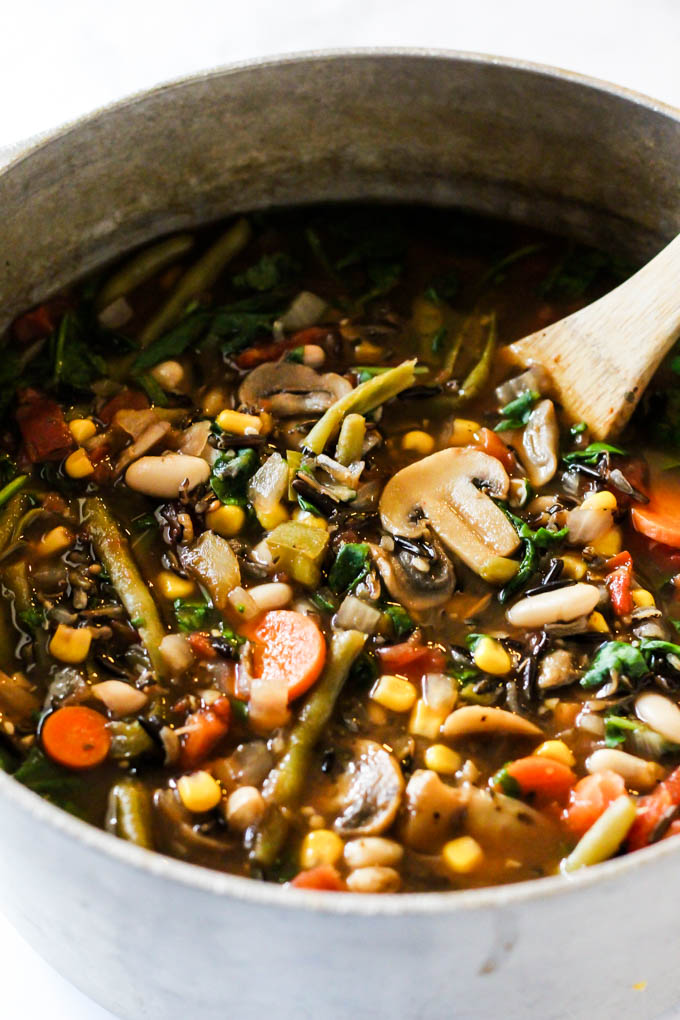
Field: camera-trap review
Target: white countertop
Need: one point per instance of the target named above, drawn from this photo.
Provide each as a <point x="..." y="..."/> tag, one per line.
<point x="60" y="60"/>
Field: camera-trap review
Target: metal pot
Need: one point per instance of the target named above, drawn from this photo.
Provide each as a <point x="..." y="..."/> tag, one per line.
<point x="151" y="937"/>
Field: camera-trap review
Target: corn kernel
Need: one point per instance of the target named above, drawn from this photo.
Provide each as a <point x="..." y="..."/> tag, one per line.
<point x="71" y="644"/>
<point x="600" y="501"/>
<point x="270" y="519"/>
<point x="321" y="847"/>
<point x="226" y="521"/>
<point x="241" y="424"/>
<point x="418" y="442"/>
<point x="199" y="792"/>
<point x="490" y="656"/>
<point x="597" y="622"/>
<point x="310" y="519"/>
<point x="394" y="693"/>
<point x="499" y="570"/>
<point x="82" y="429"/>
<point x="573" y="566"/>
<point x="55" y="541"/>
<point x="463" y="432"/>
<point x="642" y="598"/>
<point x="609" y="544"/>
<point x="426" y="721"/>
<point x="174" y="587"/>
<point x="367" y="352"/>
<point x="442" y="759"/>
<point x="462" y="855"/>
<point x="78" y="464"/>
<point x="556" y="750"/>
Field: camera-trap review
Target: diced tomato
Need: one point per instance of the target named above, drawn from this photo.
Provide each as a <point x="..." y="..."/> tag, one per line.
<point x="43" y="427"/>
<point x="619" y="583"/>
<point x="590" y="798"/>
<point x="39" y="322"/>
<point x="204" y="729"/>
<point x="324" y="877"/>
<point x="133" y="400"/>
<point x="201" y="645"/>
<point x="409" y="655"/>
<point x="490" y="442"/>
<point x="651" y="810"/>
<point x="254" y="356"/>
<point x="622" y="559"/>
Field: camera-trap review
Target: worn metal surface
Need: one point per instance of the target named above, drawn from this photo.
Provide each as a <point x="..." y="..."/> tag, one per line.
<point x="150" y="937"/>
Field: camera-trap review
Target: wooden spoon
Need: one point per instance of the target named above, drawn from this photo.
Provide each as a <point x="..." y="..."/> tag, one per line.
<point x="601" y="358"/>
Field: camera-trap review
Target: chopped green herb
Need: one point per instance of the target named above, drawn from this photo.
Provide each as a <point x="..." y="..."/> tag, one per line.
<point x="234" y="640"/>
<point x="579" y="269"/>
<point x="351" y="565"/>
<point x="324" y="601"/>
<point x="270" y="272"/>
<point x="578" y="429"/>
<point x="592" y="453"/>
<point x="191" y="616"/>
<point x="75" y="362"/>
<point x="506" y="783"/>
<point x="516" y="413"/>
<point x="442" y="287"/>
<point x="297" y="355"/>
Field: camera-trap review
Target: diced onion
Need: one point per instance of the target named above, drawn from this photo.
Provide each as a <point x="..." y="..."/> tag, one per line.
<point x="354" y="614"/>
<point x="306" y="309"/>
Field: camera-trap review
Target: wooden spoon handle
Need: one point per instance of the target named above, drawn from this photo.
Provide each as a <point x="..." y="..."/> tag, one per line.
<point x="601" y="358"/>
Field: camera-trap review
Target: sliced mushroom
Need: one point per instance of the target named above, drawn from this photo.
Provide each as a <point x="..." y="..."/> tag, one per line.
<point x="176" y="830"/>
<point x="444" y="492"/>
<point x="511" y="828"/>
<point x="477" y="719"/>
<point x="556" y="669"/>
<point x="431" y="809"/>
<point x="538" y="444"/>
<point x="415" y="581"/>
<point x="286" y="389"/>
<point x="369" y="790"/>
<point x="19" y="702"/>
<point x="150" y="438"/>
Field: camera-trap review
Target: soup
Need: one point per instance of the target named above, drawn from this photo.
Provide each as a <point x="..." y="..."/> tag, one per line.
<point x="304" y="581"/>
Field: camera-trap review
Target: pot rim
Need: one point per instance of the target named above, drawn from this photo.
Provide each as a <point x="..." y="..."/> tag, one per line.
<point x="267" y="894"/>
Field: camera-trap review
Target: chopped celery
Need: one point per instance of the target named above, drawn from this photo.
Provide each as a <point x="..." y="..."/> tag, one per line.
<point x="299" y="549"/>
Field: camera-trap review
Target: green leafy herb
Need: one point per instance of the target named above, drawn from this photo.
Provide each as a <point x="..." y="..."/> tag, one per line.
<point x="191" y="616"/>
<point x="324" y="601"/>
<point x="234" y="640"/>
<point x="351" y="565"/>
<point x="516" y="413"/>
<point x="75" y="362"/>
<point x="506" y="783"/>
<point x="239" y="710"/>
<point x="533" y="541"/>
<point x="153" y="389"/>
<point x="592" y="453"/>
<point x="48" y="779"/>
<point x="269" y="272"/>
<point x="402" y="624"/>
<point x="579" y="269"/>
<point x="617" y="728"/>
<point x="578" y="429"/>
<point x="615" y="656"/>
<point x="230" y="474"/>
<point x="33" y="619"/>
<point x="297" y="355"/>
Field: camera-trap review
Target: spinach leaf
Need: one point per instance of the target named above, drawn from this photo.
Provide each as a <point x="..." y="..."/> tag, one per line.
<point x="230" y="474"/>
<point x="191" y="616"/>
<point x="351" y="564"/>
<point x="533" y="541"/>
<point x="232" y="639"/>
<point x="76" y="363"/>
<point x="153" y="389"/>
<point x="516" y="413"/>
<point x="592" y="453"/>
<point x="402" y="623"/>
<point x="617" y="728"/>
<point x="579" y="269"/>
<point x="618" y="656"/>
<point x="48" y="779"/>
<point x="364" y="671"/>
<point x="269" y="272"/>
<point x="185" y="334"/>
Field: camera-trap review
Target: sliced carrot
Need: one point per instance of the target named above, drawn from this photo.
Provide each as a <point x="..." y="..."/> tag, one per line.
<point x="490" y="442"/>
<point x="324" y="877"/>
<point x="542" y="776"/>
<point x="651" y="810"/>
<point x="203" y="730"/>
<point x="290" y="648"/>
<point x="76" y="737"/>
<point x="660" y="518"/>
<point x="590" y="798"/>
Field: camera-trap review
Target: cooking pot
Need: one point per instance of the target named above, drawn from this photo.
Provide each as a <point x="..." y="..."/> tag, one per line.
<point x="151" y="937"/>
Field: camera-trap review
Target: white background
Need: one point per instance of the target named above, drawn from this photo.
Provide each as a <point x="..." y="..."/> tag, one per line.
<point x="62" y="58"/>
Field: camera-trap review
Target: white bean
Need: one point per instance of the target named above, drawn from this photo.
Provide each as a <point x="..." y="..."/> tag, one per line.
<point x="245" y="807"/>
<point x="373" y="880"/>
<point x="176" y="653"/>
<point x="372" y="851"/>
<point x="169" y="375"/>
<point x="659" y="713"/>
<point x="275" y="595"/>
<point x="119" y="697"/>
<point x="165" y="476"/>
<point x="559" y="606"/>
<point x="313" y="355"/>
<point x="637" y="773"/>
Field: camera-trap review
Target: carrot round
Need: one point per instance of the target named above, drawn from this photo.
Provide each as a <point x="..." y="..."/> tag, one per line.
<point x="289" y="648"/>
<point x="660" y="518"/>
<point x="76" y="737"/>
<point x="542" y="776"/>
<point x="324" y="877"/>
<point x="590" y="798"/>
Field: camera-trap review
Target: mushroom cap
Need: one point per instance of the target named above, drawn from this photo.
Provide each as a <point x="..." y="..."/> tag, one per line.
<point x="368" y="791"/>
<point x="286" y="388"/>
<point x="443" y="492"/>
<point x="415" y="589"/>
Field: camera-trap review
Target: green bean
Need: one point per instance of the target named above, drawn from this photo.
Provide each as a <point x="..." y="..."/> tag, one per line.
<point x="14" y="510"/>
<point x="604" y="837"/>
<point x="200" y="277"/>
<point x="14" y="578"/>
<point x="476" y="379"/>
<point x="351" y="439"/>
<point x="364" y="398"/>
<point x="128" y="813"/>
<point x="11" y="489"/>
<point x="113" y="550"/>
<point x="129" y="740"/>
<point x="287" y="779"/>
<point x="142" y="266"/>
